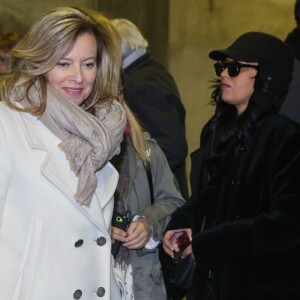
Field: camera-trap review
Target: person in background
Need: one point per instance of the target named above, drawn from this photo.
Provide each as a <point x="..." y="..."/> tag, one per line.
<point x="8" y="40"/>
<point x="152" y="95"/>
<point x="60" y="124"/>
<point x="244" y="218"/>
<point x="291" y="105"/>
<point x="138" y="256"/>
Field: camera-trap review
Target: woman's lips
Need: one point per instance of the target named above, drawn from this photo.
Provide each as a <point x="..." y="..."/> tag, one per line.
<point x="224" y="86"/>
<point x="73" y="91"/>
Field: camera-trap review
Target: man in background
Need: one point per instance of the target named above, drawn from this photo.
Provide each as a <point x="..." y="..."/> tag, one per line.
<point x="291" y="106"/>
<point x="152" y="94"/>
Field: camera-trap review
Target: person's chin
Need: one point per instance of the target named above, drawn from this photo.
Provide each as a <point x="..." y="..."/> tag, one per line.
<point x="226" y="100"/>
<point x="75" y="100"/>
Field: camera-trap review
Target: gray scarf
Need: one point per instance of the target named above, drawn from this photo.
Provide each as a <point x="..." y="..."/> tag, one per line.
<point x="88" y="141"/>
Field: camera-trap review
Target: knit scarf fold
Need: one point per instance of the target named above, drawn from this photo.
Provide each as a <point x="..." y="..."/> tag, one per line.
<point x="88" y="141"/>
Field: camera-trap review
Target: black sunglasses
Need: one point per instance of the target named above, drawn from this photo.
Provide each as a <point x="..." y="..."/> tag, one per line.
<point x="233" y="67"/>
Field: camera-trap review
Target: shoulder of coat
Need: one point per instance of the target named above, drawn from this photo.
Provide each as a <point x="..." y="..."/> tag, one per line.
<point x="151" y="143"/>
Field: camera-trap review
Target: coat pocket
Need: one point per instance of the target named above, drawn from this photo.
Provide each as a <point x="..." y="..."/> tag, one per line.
<point x="156" y="274"/>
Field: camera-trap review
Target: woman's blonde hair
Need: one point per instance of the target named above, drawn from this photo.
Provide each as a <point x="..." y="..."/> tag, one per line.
<point x="137" y="134"/>
<point x="51" y="38"/>
<point x="136" y="131"/>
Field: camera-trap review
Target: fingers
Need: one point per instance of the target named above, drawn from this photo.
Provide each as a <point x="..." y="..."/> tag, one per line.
<point x="168" y="250"/>
<point x="167" y="244"/>
<point x="118" y="234"/>
<point x="187" y="251"/>
<point x="189" y="233"/>
<point x="170" y="240"/>
<point x="138" y="234"/>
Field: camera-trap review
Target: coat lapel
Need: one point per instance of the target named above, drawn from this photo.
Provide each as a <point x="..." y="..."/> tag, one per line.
<point x="55" y="168"/>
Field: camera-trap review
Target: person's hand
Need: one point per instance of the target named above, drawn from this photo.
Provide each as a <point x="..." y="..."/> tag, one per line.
<point x="138" y="234"/>
<point x="187" y="251"/>
<point x="118" y="234"/>
<point x="170" y="241"/>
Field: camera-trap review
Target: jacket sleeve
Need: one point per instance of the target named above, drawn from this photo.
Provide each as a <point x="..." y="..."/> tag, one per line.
<point x="183" y="216"/>
<point x="166" y="196"/>
<point x="275" y="230"/>
<point x="5" y="169"/>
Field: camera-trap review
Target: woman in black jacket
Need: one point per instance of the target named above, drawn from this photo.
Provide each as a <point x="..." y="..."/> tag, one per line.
<point x="245" y="179"/>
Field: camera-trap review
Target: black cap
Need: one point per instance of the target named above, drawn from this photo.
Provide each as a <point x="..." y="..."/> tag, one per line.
<point x="275" y="58"/>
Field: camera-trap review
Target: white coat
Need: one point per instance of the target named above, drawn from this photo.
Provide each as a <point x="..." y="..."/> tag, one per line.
<point x="51" y="247"/>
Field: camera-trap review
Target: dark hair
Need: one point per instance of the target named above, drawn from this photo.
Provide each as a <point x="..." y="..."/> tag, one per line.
<point x="230" y="127"/>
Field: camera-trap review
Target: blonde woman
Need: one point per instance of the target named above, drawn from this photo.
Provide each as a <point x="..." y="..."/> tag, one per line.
<point x="59" y="126"/>
<point x="138" y="256"/>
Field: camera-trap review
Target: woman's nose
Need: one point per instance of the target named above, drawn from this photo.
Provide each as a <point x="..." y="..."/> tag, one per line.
<point x="77" y="74"/>
<point x="224" y="73"/>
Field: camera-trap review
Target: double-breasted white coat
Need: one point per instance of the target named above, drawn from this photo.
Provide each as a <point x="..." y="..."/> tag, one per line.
<point x="51" y="247"/>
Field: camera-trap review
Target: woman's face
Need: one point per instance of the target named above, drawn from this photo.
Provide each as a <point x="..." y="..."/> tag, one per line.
<point x="74" y="75"/>
<point x="238" y="90"/>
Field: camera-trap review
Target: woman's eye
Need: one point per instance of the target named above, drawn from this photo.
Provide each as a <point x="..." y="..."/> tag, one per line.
<point x="63" y="64"/>
<point x="89" y="65"/>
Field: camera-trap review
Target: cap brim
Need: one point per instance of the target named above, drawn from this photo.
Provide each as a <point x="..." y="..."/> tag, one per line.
<point x="232" y="53"/>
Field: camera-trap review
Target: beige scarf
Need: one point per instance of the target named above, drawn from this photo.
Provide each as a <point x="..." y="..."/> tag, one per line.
<point x="88" y="141"/>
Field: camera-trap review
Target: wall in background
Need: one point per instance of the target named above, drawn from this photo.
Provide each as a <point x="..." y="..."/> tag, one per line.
<point x="18" y="15"/>
<point x="180" y="33"/>
<point x="152" y="17"/>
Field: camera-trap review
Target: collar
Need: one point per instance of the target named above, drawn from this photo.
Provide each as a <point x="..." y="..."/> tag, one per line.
<point x="133" y="56"/>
